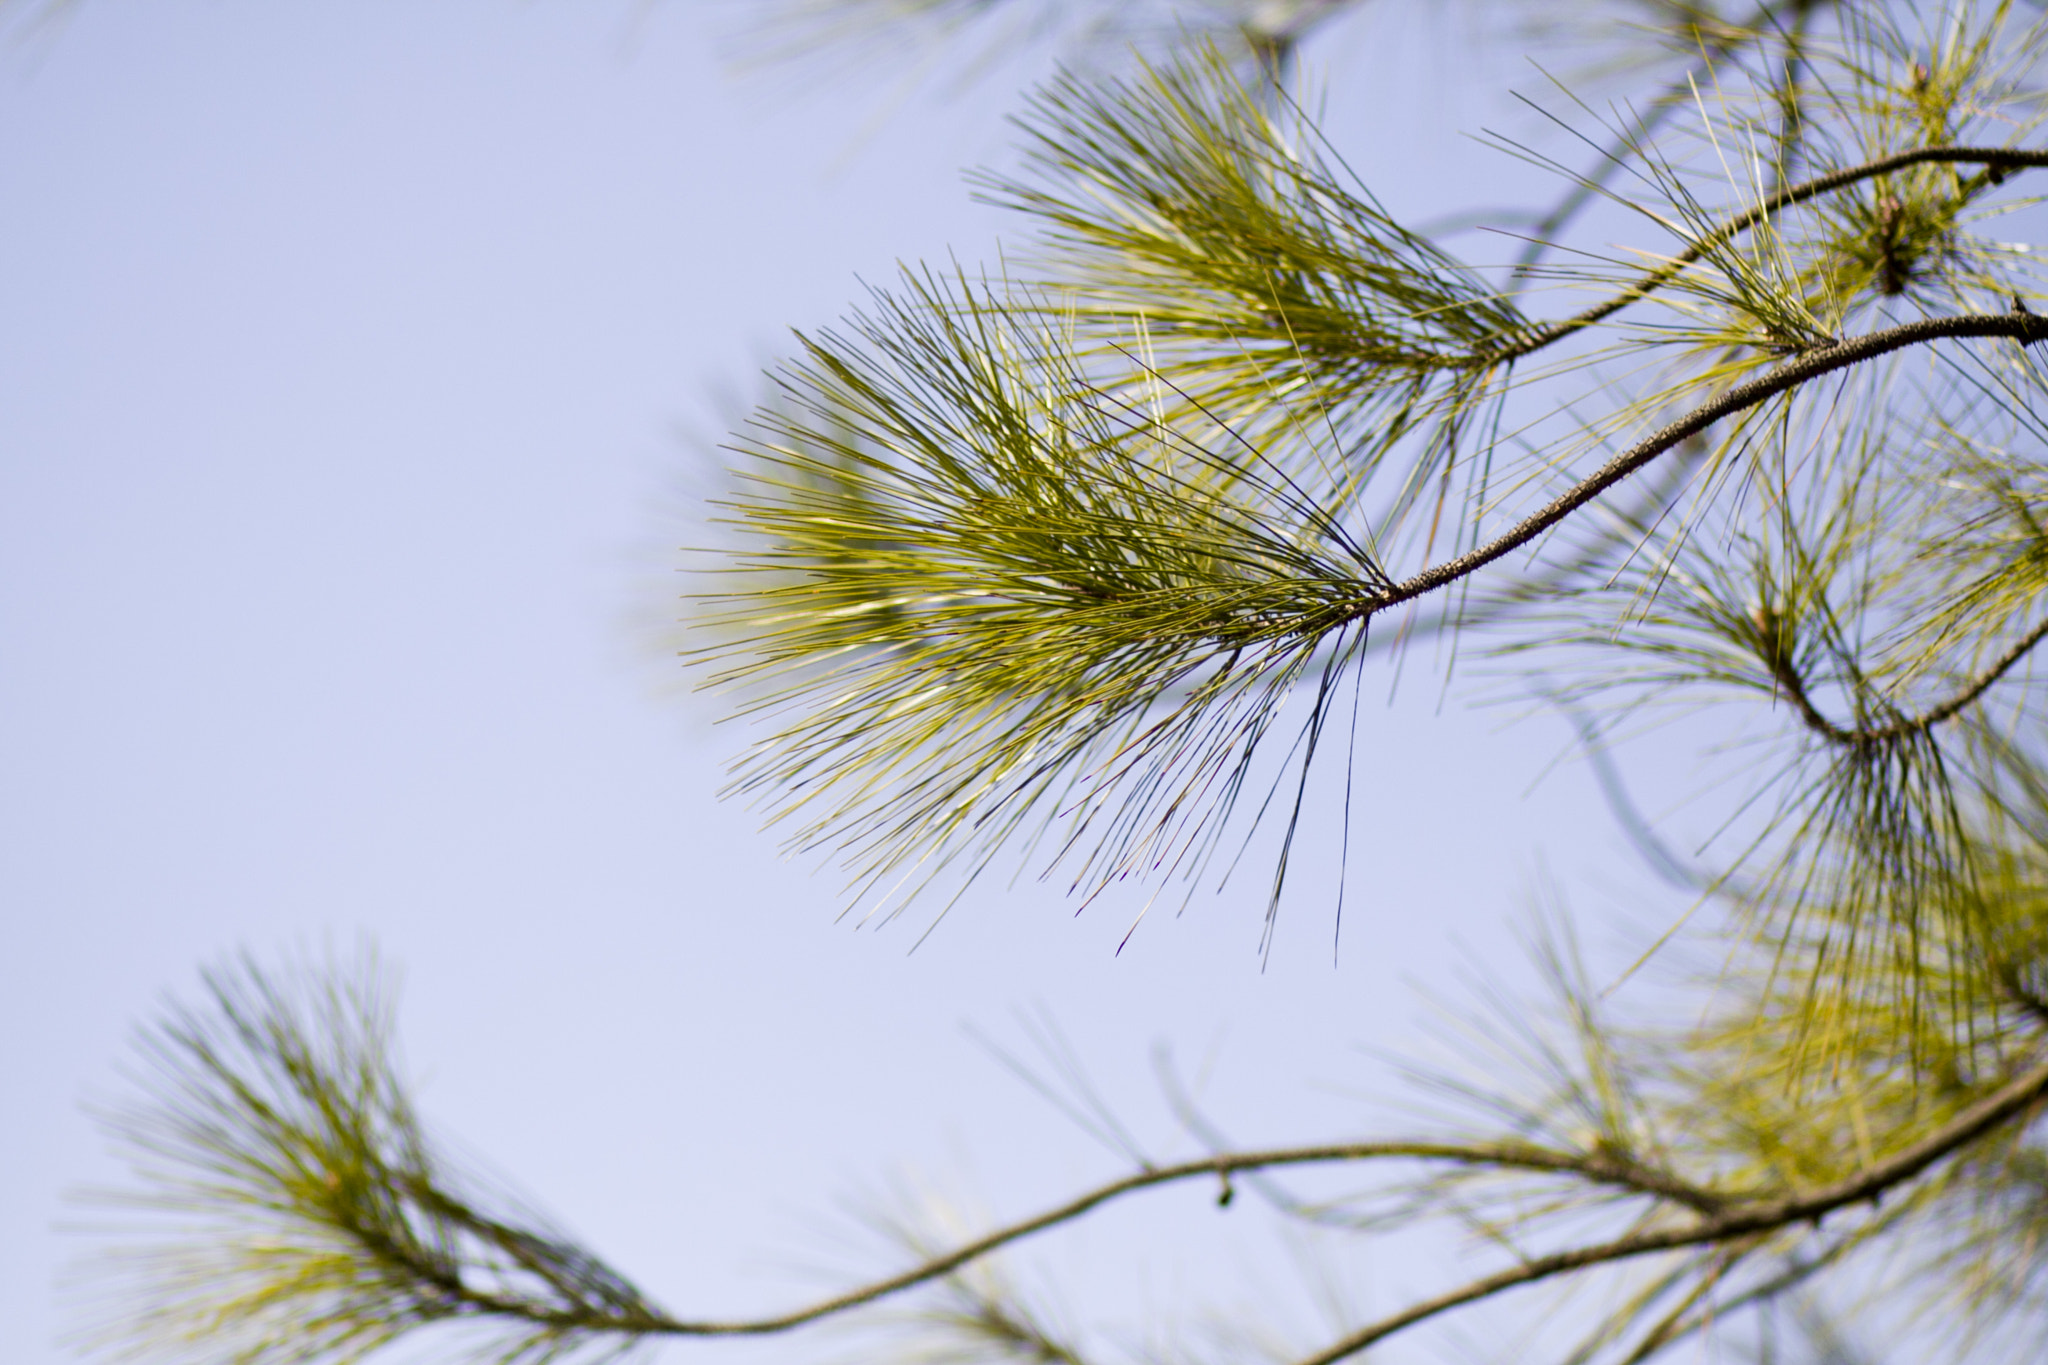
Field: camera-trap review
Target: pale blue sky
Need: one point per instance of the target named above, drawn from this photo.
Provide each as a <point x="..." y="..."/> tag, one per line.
<point x="354" y="360"/>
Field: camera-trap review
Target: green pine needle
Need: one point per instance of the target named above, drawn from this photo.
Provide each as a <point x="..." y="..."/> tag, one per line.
<point x="986" y="590"/>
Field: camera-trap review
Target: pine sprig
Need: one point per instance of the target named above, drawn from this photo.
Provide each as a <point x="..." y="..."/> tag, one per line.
<point x="297" y="1211"/>
<point x="1272" y="289"/>
<point x="986" y="589"/>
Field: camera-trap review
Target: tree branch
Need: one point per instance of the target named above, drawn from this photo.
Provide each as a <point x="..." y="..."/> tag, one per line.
<point x="1788" y="680"/>
<point x="1740" y="1220"/>
<point x="582" y="1315"/>
<point x="2025" y="328"/>
<point x="2000" y="159"/>
<point x="1618" y="1171"/>
<point x="1718" y="1218"/>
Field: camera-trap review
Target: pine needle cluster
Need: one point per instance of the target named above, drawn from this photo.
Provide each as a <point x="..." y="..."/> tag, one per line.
<point x="995" y="588"/>
<point x="300" y="1211"/>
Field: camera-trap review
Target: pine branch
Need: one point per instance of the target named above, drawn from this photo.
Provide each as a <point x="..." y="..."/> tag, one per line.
<point x="2007" y="1103"/>
<point x="2001" y="162"/>
<point x="273" y="1117"/>
<point x="988" y="571"/>
<point x="990" y="574"/>
<point x="1617" y="1172"/>
<point x="1722" y="1221"/>
<point x="1788" y="678"/>
<point x="2023" y="327"/>
<point x="314" y="1219"/>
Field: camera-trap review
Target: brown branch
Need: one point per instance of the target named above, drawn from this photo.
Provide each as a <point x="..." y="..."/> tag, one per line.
<point x="2026" y="328"/>
<point x="1610" y="1169"/>
<point x="1794" y="688"/>
<point x="1738" y="1220"/>
<point x="2002" y="160"/>
<point x="1602" y="1168"/>
<point x="598" y="1305"/>
<point x="1718" y="1218"/>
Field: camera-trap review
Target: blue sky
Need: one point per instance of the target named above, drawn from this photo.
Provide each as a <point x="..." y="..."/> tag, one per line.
<point x="359" y="365"/>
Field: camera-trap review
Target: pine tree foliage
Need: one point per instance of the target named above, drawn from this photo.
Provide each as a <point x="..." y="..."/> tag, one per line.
<point x="317" y="1222"/>
<point x="1097" y="593"/>
<point x="1074" y="562"/>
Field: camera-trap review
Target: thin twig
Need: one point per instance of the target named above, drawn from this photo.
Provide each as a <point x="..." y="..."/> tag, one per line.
<point x="1794" y="688"/>
<point x="2001" y="158"/>
<point x="2002" y="1105"/>
<point x="1609" y="1169"/>
<point x="1718" y="1218"/>
<point x="1606" y="1169"/>
<point x="2026" y="328"/>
